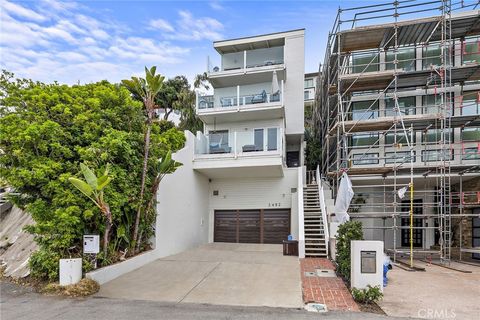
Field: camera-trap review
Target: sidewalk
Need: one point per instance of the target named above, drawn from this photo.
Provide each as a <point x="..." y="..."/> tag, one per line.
<point x="330" y="291"/>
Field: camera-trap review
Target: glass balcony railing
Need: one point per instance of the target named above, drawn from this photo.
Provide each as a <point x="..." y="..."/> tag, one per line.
<point x="245" y="96"/>
<point x="240" y="143"/>
<point x="248" y="59"/>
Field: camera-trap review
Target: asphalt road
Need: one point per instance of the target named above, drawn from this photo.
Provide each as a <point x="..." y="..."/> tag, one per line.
<point x="21" y="303"/>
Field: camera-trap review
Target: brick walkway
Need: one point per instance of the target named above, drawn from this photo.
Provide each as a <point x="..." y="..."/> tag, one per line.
<point x="326" y="290"/>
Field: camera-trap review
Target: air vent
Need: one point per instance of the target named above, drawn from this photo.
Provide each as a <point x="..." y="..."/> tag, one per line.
<point x="215" y="192"/>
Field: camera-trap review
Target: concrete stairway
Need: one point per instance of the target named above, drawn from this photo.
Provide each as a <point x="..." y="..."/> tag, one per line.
<point x="313" y="223"/>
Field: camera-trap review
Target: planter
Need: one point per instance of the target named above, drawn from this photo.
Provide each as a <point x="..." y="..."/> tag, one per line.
<point x="70" y="271"/>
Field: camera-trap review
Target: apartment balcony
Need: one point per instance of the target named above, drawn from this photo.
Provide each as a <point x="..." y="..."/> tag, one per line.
<point x="240" y="103"/>
<point x="247" y="66"/>
<point x="253" y="153"/>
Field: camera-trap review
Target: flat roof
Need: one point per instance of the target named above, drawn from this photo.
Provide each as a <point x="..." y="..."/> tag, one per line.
<point x="255" y="42"/>
<point x="409" y="31"/>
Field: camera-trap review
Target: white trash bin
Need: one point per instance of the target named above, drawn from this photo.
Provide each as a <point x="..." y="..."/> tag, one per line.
<point x="70" y="271"/>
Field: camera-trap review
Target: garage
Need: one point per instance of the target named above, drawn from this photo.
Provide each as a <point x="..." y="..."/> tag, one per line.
<point x="252" y="226"/>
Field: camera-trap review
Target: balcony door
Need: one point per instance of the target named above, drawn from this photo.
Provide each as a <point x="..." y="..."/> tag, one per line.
<point x="417" y="223"/>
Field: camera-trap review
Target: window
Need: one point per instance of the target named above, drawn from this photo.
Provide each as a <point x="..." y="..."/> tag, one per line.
<point x="435" y="135"/>
<point x="258" y="139"/>
<point x="364" y="139"/>
<point x="399" y="157"/>
<point x="470" y="104"/>
<point x="308" y="83"/>
<point x="405" y="59"/>
<point x="471" y="134"/>
<point x="366" y="158"/>
<point x="218" y="141"/>
<point x="272" y="140"/>
<point x="406" y="105"/>
<point x="432" y="104"/>
<point x="432" y="56"/>
<point x="436" y="155"/>
<point x="471" y="154"/>
<point x="364" y="62"/>
<point x="364" y="110"/>
<point x="306" y="95"/>
<point x="401" y="139"/>
<point x="471" y="51"/>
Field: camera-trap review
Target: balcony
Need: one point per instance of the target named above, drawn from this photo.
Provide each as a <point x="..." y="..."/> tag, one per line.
<point x="251" y="65"/>
<point x="249" y="102"/>
<point x="251" y="153"/>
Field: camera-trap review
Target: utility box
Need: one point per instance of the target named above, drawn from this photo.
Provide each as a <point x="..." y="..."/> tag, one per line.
<point x="91" y="244"/>
<point x="70" y="271"/>
<point x="366" y="264"/>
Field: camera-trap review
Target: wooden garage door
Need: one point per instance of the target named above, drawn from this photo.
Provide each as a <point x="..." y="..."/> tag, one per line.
<point x="252" y="226"/>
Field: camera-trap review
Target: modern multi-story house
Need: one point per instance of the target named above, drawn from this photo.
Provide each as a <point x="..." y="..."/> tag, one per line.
<point x="400" y="104"/>
<point x="242" y="177"/>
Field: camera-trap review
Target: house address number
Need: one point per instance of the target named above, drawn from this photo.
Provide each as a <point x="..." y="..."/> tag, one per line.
<point x="274" y="204"/>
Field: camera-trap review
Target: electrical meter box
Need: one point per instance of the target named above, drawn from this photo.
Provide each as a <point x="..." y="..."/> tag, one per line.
<point x="91" y="243"/>
<point x="367" y="264"/>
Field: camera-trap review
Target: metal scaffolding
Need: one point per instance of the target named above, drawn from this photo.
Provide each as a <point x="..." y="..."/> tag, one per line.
<point x="365" y="56"/>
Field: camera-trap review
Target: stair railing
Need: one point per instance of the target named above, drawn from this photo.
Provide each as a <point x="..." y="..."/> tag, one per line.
<point x="323" y="209"/>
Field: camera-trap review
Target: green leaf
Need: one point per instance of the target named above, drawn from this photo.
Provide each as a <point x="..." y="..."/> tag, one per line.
<point x="90" y="177"/>
<point x="104" y="184"/>
<point x="82" y="186"/>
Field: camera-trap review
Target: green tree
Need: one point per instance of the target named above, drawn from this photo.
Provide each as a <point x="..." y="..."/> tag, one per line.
<point x="145" y="90"/>
<point x="46" y="131"/>
<point x="92" y="188"/>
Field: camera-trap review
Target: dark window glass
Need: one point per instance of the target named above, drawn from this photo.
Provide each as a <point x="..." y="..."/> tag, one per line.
<point x="364" y="62"/>
<point x="406" y="105"/>
<point x="272" y="139"/>
<point x="405" y="59"/>
<point x="258" y="139"/>
<point x="364" y="110"/>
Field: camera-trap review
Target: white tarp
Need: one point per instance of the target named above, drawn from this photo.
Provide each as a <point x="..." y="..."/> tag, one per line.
<point x="275" y="87"/>
<point x="344" y="197"/>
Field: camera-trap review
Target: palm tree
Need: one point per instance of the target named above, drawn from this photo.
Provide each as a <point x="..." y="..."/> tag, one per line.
<point x="145" y="90"/>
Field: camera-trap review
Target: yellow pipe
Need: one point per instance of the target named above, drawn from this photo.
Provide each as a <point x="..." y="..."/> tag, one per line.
<point x="411" y="225"/>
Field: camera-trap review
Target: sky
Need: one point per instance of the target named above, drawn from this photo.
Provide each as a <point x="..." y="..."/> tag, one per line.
<point x="87" y="41"/>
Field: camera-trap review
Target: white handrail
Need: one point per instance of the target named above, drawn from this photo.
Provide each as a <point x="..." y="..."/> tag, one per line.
<point x="323" y="208"/>
<point x="301" y="221"/>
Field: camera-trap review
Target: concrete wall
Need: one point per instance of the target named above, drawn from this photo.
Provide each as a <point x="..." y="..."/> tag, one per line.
<point x="253" y="193"/>
<point x="182" y="221"/>
<point x="294" y="85"/>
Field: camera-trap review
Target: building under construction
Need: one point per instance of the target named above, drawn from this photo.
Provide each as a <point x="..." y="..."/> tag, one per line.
<point x="398" y="110"/>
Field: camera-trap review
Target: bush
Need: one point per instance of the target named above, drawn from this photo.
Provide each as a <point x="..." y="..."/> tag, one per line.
<point x="44" y="265"/>
<point x="367" y="295"/>
<point x="348" y="231"/>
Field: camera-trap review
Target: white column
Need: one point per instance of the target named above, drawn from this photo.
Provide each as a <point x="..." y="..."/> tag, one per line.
<point x="244" y="60"/>
<point x="235" y="144"/>
<point x="196" y="100"/>
<point x="282" y="93"/>
<point x="238" y="96"/>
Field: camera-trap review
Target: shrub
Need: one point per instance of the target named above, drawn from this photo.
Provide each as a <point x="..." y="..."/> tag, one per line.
<point x="348" y="231"/>
<point x="368" y="295"/>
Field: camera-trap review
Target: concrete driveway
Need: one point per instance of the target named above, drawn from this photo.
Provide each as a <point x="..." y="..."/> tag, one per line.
<point x="216" y="273"/>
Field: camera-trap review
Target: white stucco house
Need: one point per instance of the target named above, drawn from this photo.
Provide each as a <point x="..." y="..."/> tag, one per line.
<point x="241" y="177"/>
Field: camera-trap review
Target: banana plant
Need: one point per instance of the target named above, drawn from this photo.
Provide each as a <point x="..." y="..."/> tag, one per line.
<point x="164" y="166"/>
<point x="93" y="187"/>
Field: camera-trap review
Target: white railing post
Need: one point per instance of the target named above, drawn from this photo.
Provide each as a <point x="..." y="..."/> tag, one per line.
<point x="244" y="60"/>
<point x="301" y="219"/>
<point x="238" y="96"/>
<point x="235" y="144"/>
<point x="196" y="100"/>
<point x="281" y="93"/>
<point x="323" y="209"/>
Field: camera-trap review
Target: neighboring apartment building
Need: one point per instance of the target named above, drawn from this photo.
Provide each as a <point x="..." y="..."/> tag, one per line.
<point x="400" y="102"/>
<point x="241" y="177"/>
